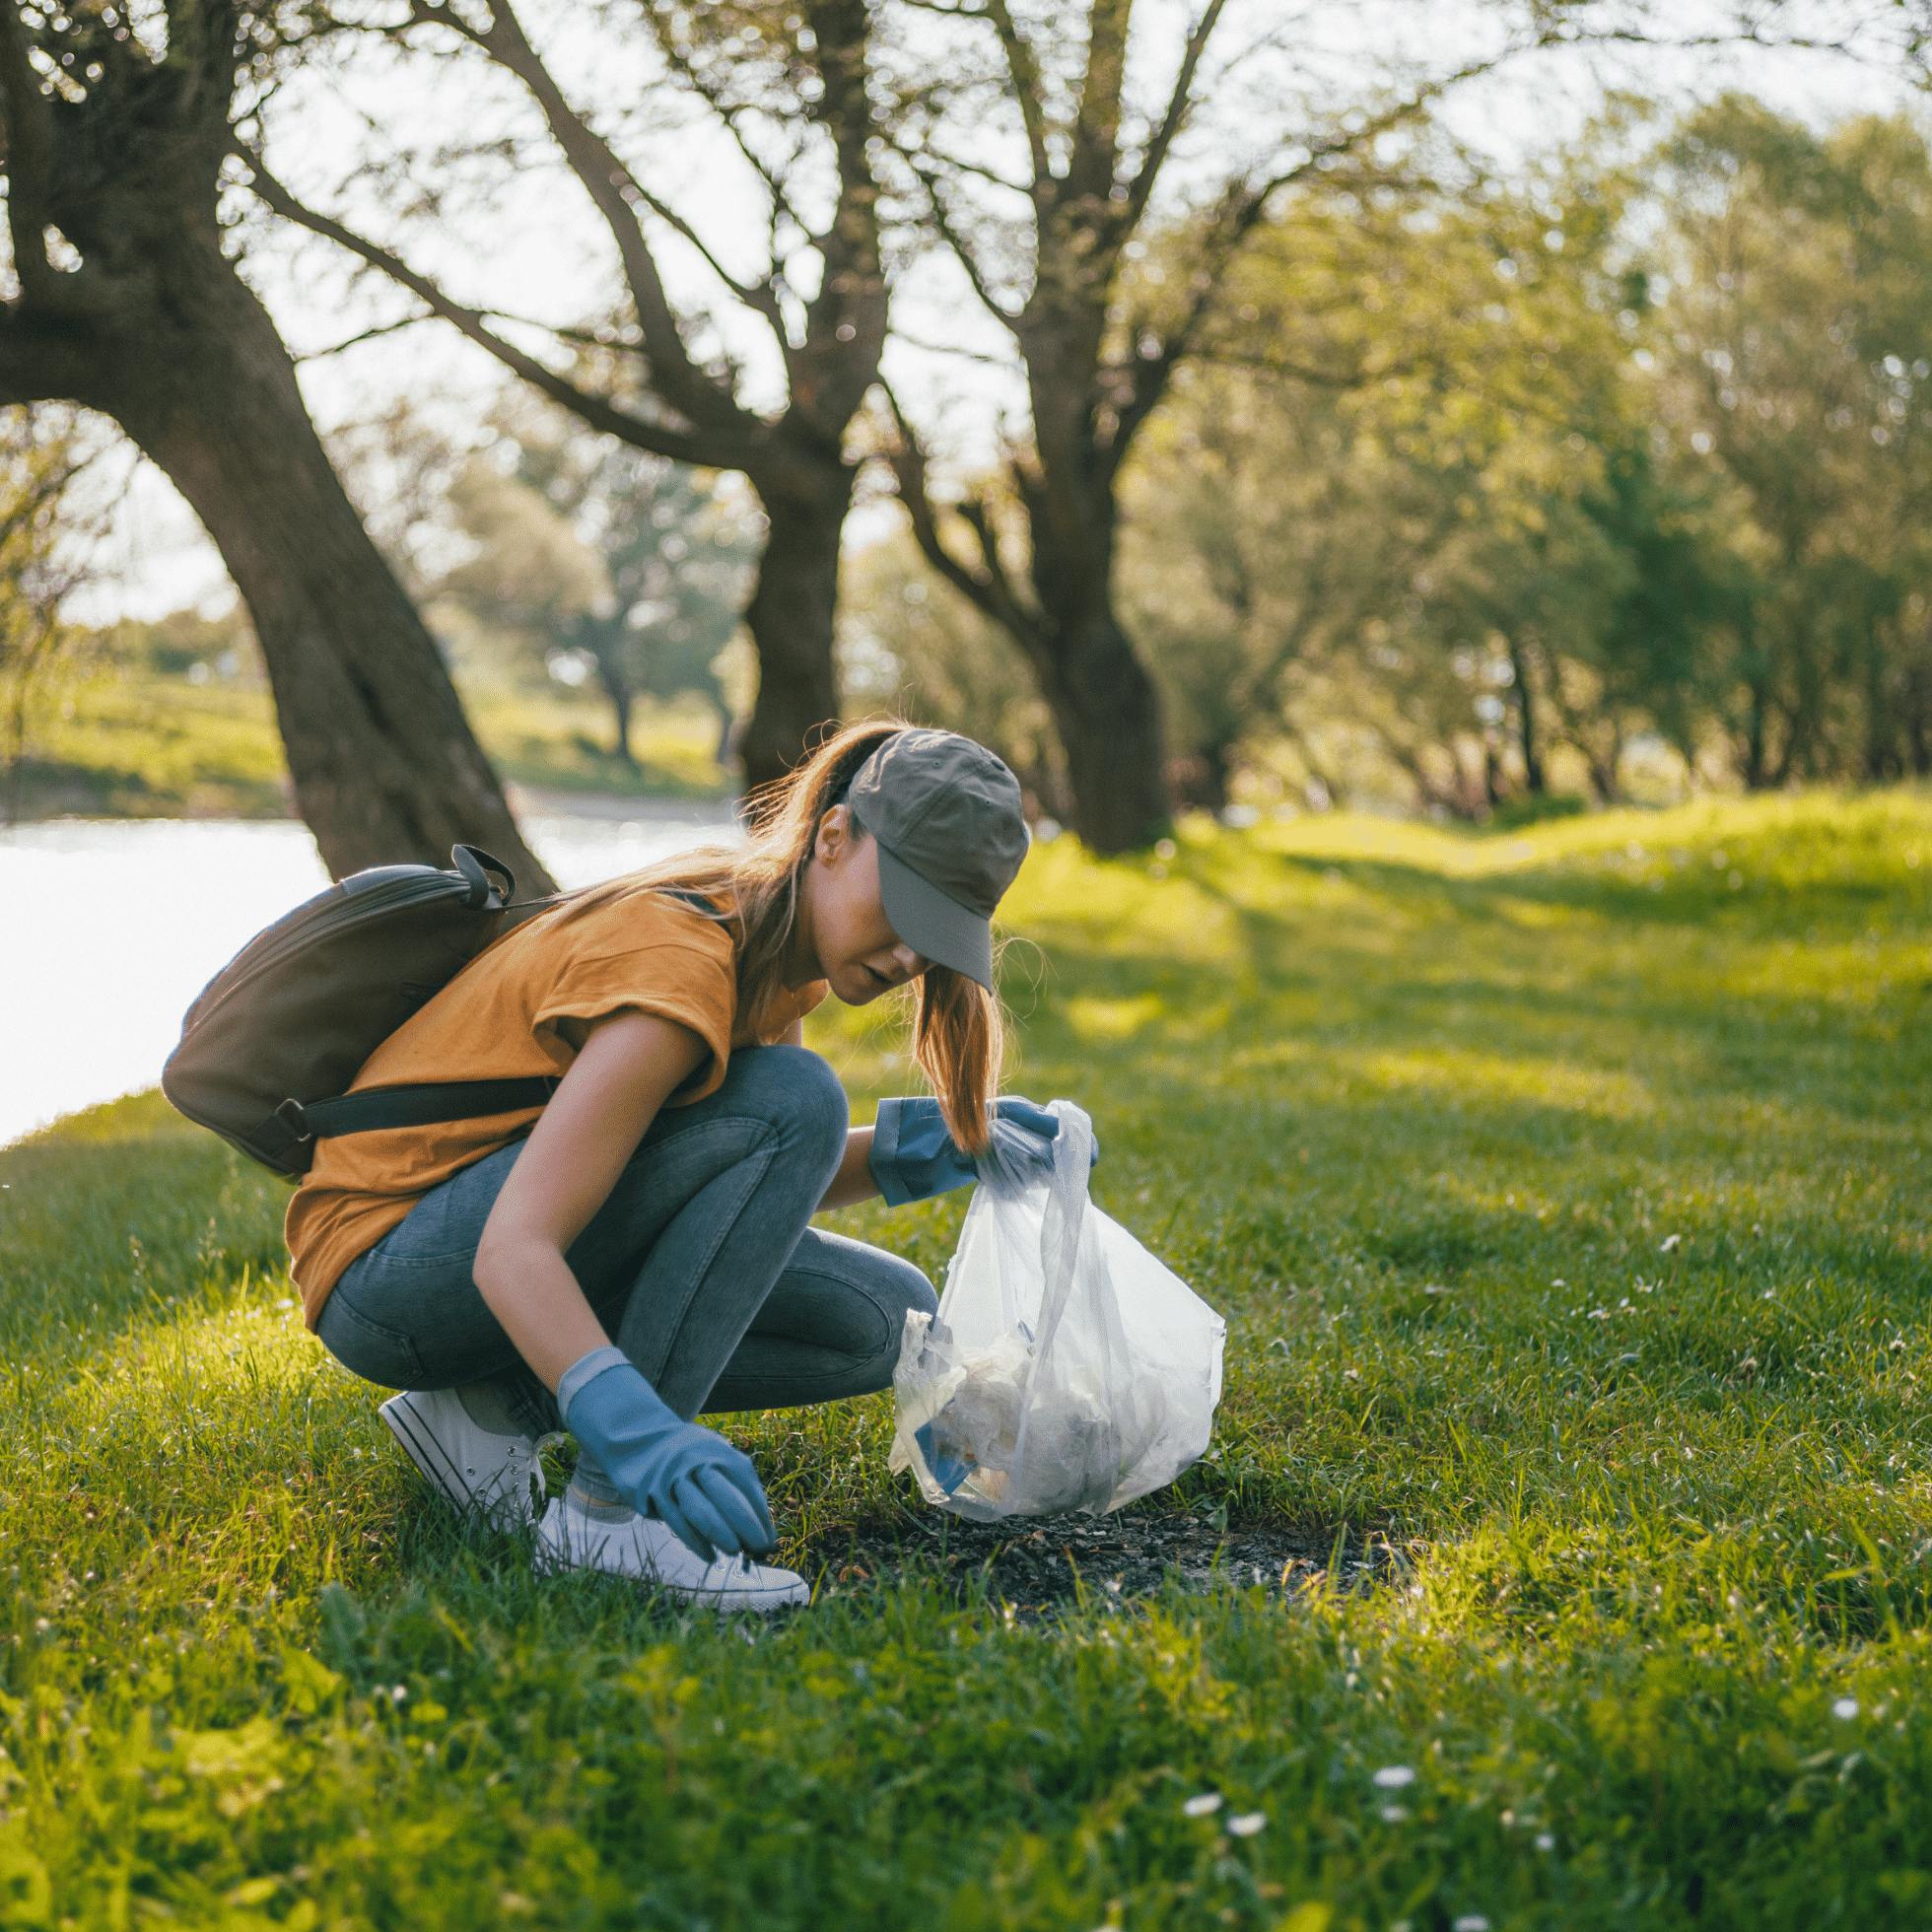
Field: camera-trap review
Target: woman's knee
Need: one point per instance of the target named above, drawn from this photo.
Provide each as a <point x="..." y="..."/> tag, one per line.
<point x="795" y="1088"/>
<point x="904" y="1290"/>
<point x="920" y="1293"/>
<point x="892" y="1290"/>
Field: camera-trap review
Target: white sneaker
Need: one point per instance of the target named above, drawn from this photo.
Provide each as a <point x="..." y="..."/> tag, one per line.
<point x="646" y="1547"/>
<point x="498" y="1475"/>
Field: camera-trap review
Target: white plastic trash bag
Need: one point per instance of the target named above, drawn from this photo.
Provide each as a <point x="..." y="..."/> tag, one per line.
<point x="1067" y="1367"/>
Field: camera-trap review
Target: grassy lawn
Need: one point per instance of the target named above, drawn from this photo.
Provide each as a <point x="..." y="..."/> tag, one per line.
<point x="1566" y="1193"/>
<point x="128" y="745"/>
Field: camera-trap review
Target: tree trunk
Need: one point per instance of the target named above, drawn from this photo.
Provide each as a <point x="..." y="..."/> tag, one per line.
<point x="1529" y="743"/>
<point x="790" y="617"/>
<point x="1605" y="763"/>
<point x="1918" y="720"/>
<point x="1756" y="719"/>
<point x="384" y="763"/>
<point x="1882" y="716"/>
<point x="618" y="693"/>
<point x="1106" y="713"/>
<point x="1799" y="723"/>
<point x="1755" y="773"/>
<point x="1201" y="777"/>
<point x="1492" y="793"/>
<point x="1331" y="788"/>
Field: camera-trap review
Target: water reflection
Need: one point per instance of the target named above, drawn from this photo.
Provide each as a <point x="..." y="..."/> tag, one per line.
<point x="113" y="927"/>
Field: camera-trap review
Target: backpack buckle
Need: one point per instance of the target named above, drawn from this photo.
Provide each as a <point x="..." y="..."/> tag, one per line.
<point x="290" y="1114"/>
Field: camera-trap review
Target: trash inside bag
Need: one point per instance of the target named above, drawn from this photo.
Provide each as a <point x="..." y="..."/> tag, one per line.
<point x="1067" y="1368"/>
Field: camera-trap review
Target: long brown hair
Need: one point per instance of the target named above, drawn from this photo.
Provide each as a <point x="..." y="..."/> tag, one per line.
<point x="958" y="1027"/>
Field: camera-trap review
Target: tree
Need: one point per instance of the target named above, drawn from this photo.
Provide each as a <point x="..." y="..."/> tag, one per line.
<point x="793" y="85"/>
<point x="935" y="658"/>
<point x="1267" y="540"/>
<point x="117" y="127"/>
<point x="1796" y="382"/>
<point x="1048" y="250"/>
<point x="42" y="559"/>
<point x="1369" y="508"/>
<point x="1045" y="228"/>
<point x="1668" y="589"/>
<point x="588" y="547"/>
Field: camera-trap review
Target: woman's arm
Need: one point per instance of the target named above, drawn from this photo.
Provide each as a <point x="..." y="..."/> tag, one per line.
<point x="629" y="1065"/>
<point x="853" y="1179"/>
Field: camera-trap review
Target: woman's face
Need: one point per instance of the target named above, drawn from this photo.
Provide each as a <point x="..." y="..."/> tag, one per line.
<point x="860" y="956"/>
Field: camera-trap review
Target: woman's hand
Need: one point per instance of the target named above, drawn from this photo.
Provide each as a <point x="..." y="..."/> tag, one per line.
<point x="688" y="1476"/>
<point x="912" y="1157"/>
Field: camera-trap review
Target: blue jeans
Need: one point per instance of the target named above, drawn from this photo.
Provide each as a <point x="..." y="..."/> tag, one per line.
<point x="701" y="1263"/>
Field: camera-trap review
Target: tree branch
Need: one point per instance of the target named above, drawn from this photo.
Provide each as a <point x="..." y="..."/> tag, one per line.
<point x="610" y="186"/>
<point x="203" y="38"/>
<point x="729" y="113"/>
<point x="958" y="165"/>
<point x="372" y="334"/>
<point x="1095" y="159"/>
<point x="716" y="449"/>
<point x="846" y="317"/>
<point x="28" y="159"/>
<point x="985" y="585"/>
<point x="1026" y="71"/>
<point x="954" y="239"/>
<point x="1141" y="187"/>
<point x="56" y="360"/>
<point x="1243" y="206"/>
<point x="951" y="349"/>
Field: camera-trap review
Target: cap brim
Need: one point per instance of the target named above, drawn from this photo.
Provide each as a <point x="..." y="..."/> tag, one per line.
<point x="938" y="929"/>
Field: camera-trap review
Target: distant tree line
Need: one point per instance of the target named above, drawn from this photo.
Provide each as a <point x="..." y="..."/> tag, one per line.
<point x="1175" y="285"/>
<point x="1470" y="495"/>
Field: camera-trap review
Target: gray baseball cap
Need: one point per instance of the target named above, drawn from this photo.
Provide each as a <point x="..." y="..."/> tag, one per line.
<point x="946" y="816"/>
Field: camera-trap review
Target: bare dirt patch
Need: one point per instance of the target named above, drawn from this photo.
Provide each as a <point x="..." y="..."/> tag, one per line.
<point x="1034" y="1564"/>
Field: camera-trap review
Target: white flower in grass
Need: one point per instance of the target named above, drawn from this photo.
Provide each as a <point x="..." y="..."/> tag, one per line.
<point x="1545" y="1841"/>
<point x="1471" y="1922"/>
<point x="1392" y="1777"/>
<point x="1845" y="1708"/>
<point x="1246" y="1825"/>
<point x="1394" y="1814"/>
<point x="1203" y="1805"/>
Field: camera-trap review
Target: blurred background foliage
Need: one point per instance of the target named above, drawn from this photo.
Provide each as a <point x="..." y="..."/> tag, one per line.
<point x="1606" y="482"/>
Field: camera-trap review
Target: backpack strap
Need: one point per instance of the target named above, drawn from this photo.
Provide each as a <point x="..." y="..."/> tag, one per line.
<point x="426" y="1105"/>
<point x="694" y="899"/>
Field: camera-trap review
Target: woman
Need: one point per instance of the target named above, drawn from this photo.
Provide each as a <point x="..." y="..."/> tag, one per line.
<point x="662" y="1196"/>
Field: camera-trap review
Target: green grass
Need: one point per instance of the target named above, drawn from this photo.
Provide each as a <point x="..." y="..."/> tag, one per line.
<point x="1566" y="1193"/>
<point x="122" y="744"/>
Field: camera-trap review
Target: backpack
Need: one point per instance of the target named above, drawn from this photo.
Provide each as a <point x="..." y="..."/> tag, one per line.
<point x="274" y="1039"/>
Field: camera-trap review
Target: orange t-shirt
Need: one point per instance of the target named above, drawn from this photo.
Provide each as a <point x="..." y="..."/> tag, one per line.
<point x="497" y="1020"/>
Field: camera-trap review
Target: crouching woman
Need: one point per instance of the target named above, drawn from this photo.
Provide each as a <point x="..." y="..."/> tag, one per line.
<point x="638" y="1251"/>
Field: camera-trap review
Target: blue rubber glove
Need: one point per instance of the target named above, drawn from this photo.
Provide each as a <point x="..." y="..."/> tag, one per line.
<point x="914" y="1157"/>
<point x="948" y="1470"/>
<point x="700" y="1485"/>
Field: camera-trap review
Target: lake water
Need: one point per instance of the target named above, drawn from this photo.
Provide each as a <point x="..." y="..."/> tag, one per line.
<point x="108" y="928"/>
